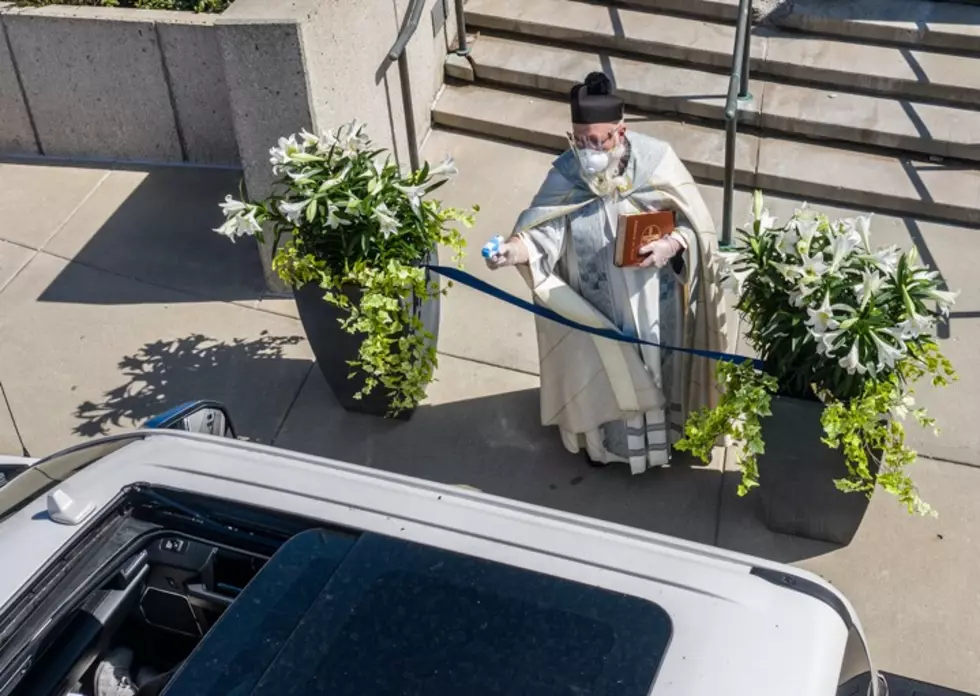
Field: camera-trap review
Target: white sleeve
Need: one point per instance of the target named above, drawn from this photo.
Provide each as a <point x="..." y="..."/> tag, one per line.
<point x="545" y="244"/>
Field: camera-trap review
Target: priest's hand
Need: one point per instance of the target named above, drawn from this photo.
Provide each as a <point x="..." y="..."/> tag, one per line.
<point x="660" y="252"/>
<point x="513" y="252"/>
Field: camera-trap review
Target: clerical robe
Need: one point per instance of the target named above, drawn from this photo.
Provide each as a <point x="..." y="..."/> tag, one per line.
<point x="618" y="401"/>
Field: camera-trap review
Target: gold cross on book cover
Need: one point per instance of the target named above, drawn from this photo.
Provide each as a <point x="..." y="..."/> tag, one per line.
<point x="639" y="229"/>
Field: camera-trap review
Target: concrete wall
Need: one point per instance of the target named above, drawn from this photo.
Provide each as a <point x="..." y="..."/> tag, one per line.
<point x="171" y="86"/>
<point x="16" y="133"/>
<point x="116" y="84"/>
<point x="316" y="64"/>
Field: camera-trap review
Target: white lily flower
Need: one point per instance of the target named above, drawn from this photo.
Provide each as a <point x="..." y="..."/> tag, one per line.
<point x="812" y="269"/>
<point x="413" y="194"/>
<point x="914" y="326"/>
<point x="283" y="155"/>
<point x="822" y="318"/>
<point x="862" y="226"/>
<point x="387" y="220"/>
<point x="852" y="361"/>
<point x="826" y="344"/>
<point x="300" y="176"/>
<point x="333" y="220"/>
<point x="249" y="225"/>
<point x="308" y="138"/>
<point x="352" y="138"/>
<point x="788" y="271"/>
<point x="944" y="298"/>
<point x="239" y="226"/>
<point x="888" y="354"/>
<point x="326" y="142"/>
<point x="871" y="283"/>
<point x="923" y="273"/>
<point x="798" y="297"/>
<point x="232" y="207"/>
<point x="807" y="228"/>
<point x="767" y="222"/>
<point x="755" y="211"/>
<point x="734" y="281"/>
<point x="841" y="247"/>
<point x="726" y="261"/>
<point x="886" y="260"/>
<point x="445" y="168"/>
<point x="788" y="240"/>
<point x="293" y="211"/>
<point x="229" y="228"/>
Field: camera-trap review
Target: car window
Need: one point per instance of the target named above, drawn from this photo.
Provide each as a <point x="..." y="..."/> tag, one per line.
<point x="9" y="472"/>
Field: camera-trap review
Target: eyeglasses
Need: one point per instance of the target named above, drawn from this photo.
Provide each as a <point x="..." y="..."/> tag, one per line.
<point x="592" y="142"/>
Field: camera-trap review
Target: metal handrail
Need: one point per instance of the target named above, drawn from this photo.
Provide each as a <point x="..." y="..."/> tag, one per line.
<point x="738" y="90"/>
<point x="398" y="52"/>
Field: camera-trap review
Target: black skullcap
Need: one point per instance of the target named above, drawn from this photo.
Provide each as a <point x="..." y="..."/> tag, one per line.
<point x="592" y="101"/>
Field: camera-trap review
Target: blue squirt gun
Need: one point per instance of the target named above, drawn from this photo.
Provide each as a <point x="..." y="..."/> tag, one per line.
<point x="492" y="248"/>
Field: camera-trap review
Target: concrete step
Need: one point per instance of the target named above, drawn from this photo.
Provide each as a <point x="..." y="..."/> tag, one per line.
<point x="947" y="26"/>
<point x="886" y="70"/>
<point x="777" y="166"/>
<point x="805" y="111"/>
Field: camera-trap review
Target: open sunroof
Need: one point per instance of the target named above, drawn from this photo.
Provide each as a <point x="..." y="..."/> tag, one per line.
<point x="375" y="616"/>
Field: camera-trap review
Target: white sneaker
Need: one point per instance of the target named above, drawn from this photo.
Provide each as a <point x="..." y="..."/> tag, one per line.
<point x="112" y="676"/>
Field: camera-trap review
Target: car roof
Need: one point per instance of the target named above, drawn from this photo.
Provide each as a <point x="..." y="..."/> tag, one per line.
<point x="734" y="632"/>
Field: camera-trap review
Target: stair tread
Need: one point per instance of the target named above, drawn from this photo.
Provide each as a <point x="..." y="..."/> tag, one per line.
<point x="884" y="121"/>
<point x="895" y="70"/>
<point x="776" y="165"/>
<point x="944" y="25"/>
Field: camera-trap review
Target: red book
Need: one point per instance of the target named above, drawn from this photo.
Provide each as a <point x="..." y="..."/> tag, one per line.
<point x="637" y="230"/>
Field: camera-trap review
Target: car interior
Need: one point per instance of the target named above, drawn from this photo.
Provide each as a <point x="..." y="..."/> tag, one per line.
<point x="205" y="596"/>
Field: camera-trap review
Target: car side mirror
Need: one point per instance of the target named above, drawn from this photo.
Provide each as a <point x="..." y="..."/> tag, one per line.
<point x="205" y="417"/>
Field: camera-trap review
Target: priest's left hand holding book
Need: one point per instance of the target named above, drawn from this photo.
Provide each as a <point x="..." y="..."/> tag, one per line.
<point x="618" y="236"/>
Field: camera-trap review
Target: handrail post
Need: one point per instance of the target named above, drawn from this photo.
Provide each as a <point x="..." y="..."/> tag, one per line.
<point x="463" y="47"/>
<point x="743" y="92"/>
<point x="727" y="224"/>
<point x="413" y="143"/>
<point x="738" y="88"/>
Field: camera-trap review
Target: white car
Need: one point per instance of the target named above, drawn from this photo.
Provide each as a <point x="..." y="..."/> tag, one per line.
<point x="204" y="565"/>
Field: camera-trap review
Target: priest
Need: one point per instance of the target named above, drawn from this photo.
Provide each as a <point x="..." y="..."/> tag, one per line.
<point x="616" y="401"/>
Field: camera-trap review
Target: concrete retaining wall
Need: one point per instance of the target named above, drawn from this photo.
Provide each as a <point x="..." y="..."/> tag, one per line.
<point x="316" y="64"/>
<point x="109" y="83"/>
<point x="115" y="84"/>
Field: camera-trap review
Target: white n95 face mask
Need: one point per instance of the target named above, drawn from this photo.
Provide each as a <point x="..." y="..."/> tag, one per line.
<point x="594" y="161"/>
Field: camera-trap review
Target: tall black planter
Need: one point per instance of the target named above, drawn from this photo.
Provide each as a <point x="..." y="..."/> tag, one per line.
<point x="797" y="473"/>
<point x="334" y="348"/>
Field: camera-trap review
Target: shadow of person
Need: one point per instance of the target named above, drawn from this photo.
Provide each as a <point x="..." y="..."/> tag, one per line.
<point x="255" y="378"/>
<point x="495" y="443"/>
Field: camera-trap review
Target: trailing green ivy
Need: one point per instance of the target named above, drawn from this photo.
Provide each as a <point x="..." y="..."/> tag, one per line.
<point x="358" y="227"/>
<point x="746" y="397"/>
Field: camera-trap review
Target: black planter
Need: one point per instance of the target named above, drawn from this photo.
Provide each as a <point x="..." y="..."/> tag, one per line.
<point x="797" y="473"/>
<point x="334" y="348"/>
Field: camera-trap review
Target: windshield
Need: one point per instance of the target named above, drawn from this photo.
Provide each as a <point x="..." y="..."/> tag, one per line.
<point x="26" y="485"/>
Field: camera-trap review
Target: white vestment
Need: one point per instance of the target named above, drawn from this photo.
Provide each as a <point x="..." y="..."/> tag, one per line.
<point x="617" y="401"/>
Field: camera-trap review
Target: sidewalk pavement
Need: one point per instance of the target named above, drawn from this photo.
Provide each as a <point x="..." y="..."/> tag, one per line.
<point x="116" y="301"/>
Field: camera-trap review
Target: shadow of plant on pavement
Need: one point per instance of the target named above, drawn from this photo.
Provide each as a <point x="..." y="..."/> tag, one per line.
<point x="164" y="373"/>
